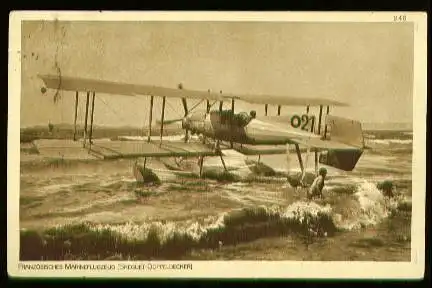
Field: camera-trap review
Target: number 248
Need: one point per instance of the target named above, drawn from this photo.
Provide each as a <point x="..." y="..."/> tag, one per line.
<point x="400" y="18"/>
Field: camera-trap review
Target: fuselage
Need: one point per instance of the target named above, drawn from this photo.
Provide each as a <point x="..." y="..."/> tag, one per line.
<point x="244" y="129"/>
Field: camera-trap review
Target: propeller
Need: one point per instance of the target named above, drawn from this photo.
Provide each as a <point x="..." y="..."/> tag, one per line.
<point x="171" y="121"/>
<point x="186" y="113"/>
<point x="168" y="122"/>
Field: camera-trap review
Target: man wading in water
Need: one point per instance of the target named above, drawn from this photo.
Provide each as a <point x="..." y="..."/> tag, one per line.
<point x="317" y="185"/>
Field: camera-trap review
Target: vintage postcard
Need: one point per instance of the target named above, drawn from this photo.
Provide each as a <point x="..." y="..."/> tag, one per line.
<point x="217" y="145"/>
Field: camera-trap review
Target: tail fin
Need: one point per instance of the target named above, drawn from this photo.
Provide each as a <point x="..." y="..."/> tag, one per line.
<point x="345" y="131"/>
<point x="348" y="132"/>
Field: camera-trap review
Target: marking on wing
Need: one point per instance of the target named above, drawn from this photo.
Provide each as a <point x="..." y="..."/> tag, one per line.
<point x="265" y="126"/>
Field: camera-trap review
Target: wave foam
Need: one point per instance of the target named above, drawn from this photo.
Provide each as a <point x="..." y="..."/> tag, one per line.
<point x="392" y="141"/>
<point x="370" y="207"/>
<point x="307" y="215"/>
<point x="161" y="239"/>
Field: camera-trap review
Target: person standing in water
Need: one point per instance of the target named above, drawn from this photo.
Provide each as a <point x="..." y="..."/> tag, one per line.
<point x="318" y="184"/>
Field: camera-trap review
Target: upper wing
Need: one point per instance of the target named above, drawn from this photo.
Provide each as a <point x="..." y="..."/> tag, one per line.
<point x="116" y="88"/>
<point x="284" y="100"/>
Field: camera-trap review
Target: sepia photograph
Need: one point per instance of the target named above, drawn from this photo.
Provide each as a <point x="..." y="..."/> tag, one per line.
<point x="155" y="143"/>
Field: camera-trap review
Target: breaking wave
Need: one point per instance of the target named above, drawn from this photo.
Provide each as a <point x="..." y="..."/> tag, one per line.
<point x="302" y="216"/>
<point x="171" y="240"/>
<point x="164" y="240"/>
<point x="370" y="207"/>
<point x="391" y="141"/>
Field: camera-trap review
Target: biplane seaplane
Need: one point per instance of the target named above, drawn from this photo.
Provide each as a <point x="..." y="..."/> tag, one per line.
<point x="335" y="141"/>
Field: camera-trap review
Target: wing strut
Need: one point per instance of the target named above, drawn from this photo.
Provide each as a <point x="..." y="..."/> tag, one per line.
<point x="86" y="117"/>
<point x="75" y="116"/>
<point x="220" y="103"/>
<point x="299" y="158"/>
<point x="186" y="112"/>
<point x="319" y="120"/>
<point x="201" y="162"/>
<point x="265" y="109"/>
<point x="150" y="118"/>
<point x="232" y="110"/>
<point x="325" y="126"/>
<point x="162" y="122"/>
<point x="319" y="133"/>
<point x="219" y="151"/>
<point x="208" y="103"/>
<point x="185" y="108"/>
<point x="91" y="118"/>
<point x="279" y="110"/>
<point x="313" y="120"/>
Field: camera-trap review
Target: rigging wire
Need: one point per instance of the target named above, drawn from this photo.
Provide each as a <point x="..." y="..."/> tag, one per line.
<point x="145" y="114"/>
<point x="169" y="105"/>
<point x="196" y="105"/>
<point x="112" y="110"/>
<point x="144" y="118"/>
<point x="144" y="124"/>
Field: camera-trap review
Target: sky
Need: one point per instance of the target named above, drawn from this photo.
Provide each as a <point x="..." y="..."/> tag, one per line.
<point x="367" y="65"/>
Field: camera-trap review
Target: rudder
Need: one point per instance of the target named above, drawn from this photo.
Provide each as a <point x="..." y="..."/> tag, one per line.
<point x="345" y="131"/>
<point x="348" y="132"/>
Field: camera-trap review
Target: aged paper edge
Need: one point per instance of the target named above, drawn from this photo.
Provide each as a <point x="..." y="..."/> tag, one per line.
<point x="230" y="269"/>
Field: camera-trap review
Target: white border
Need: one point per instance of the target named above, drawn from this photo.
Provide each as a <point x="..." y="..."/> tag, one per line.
<point x="232" y="269"/>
